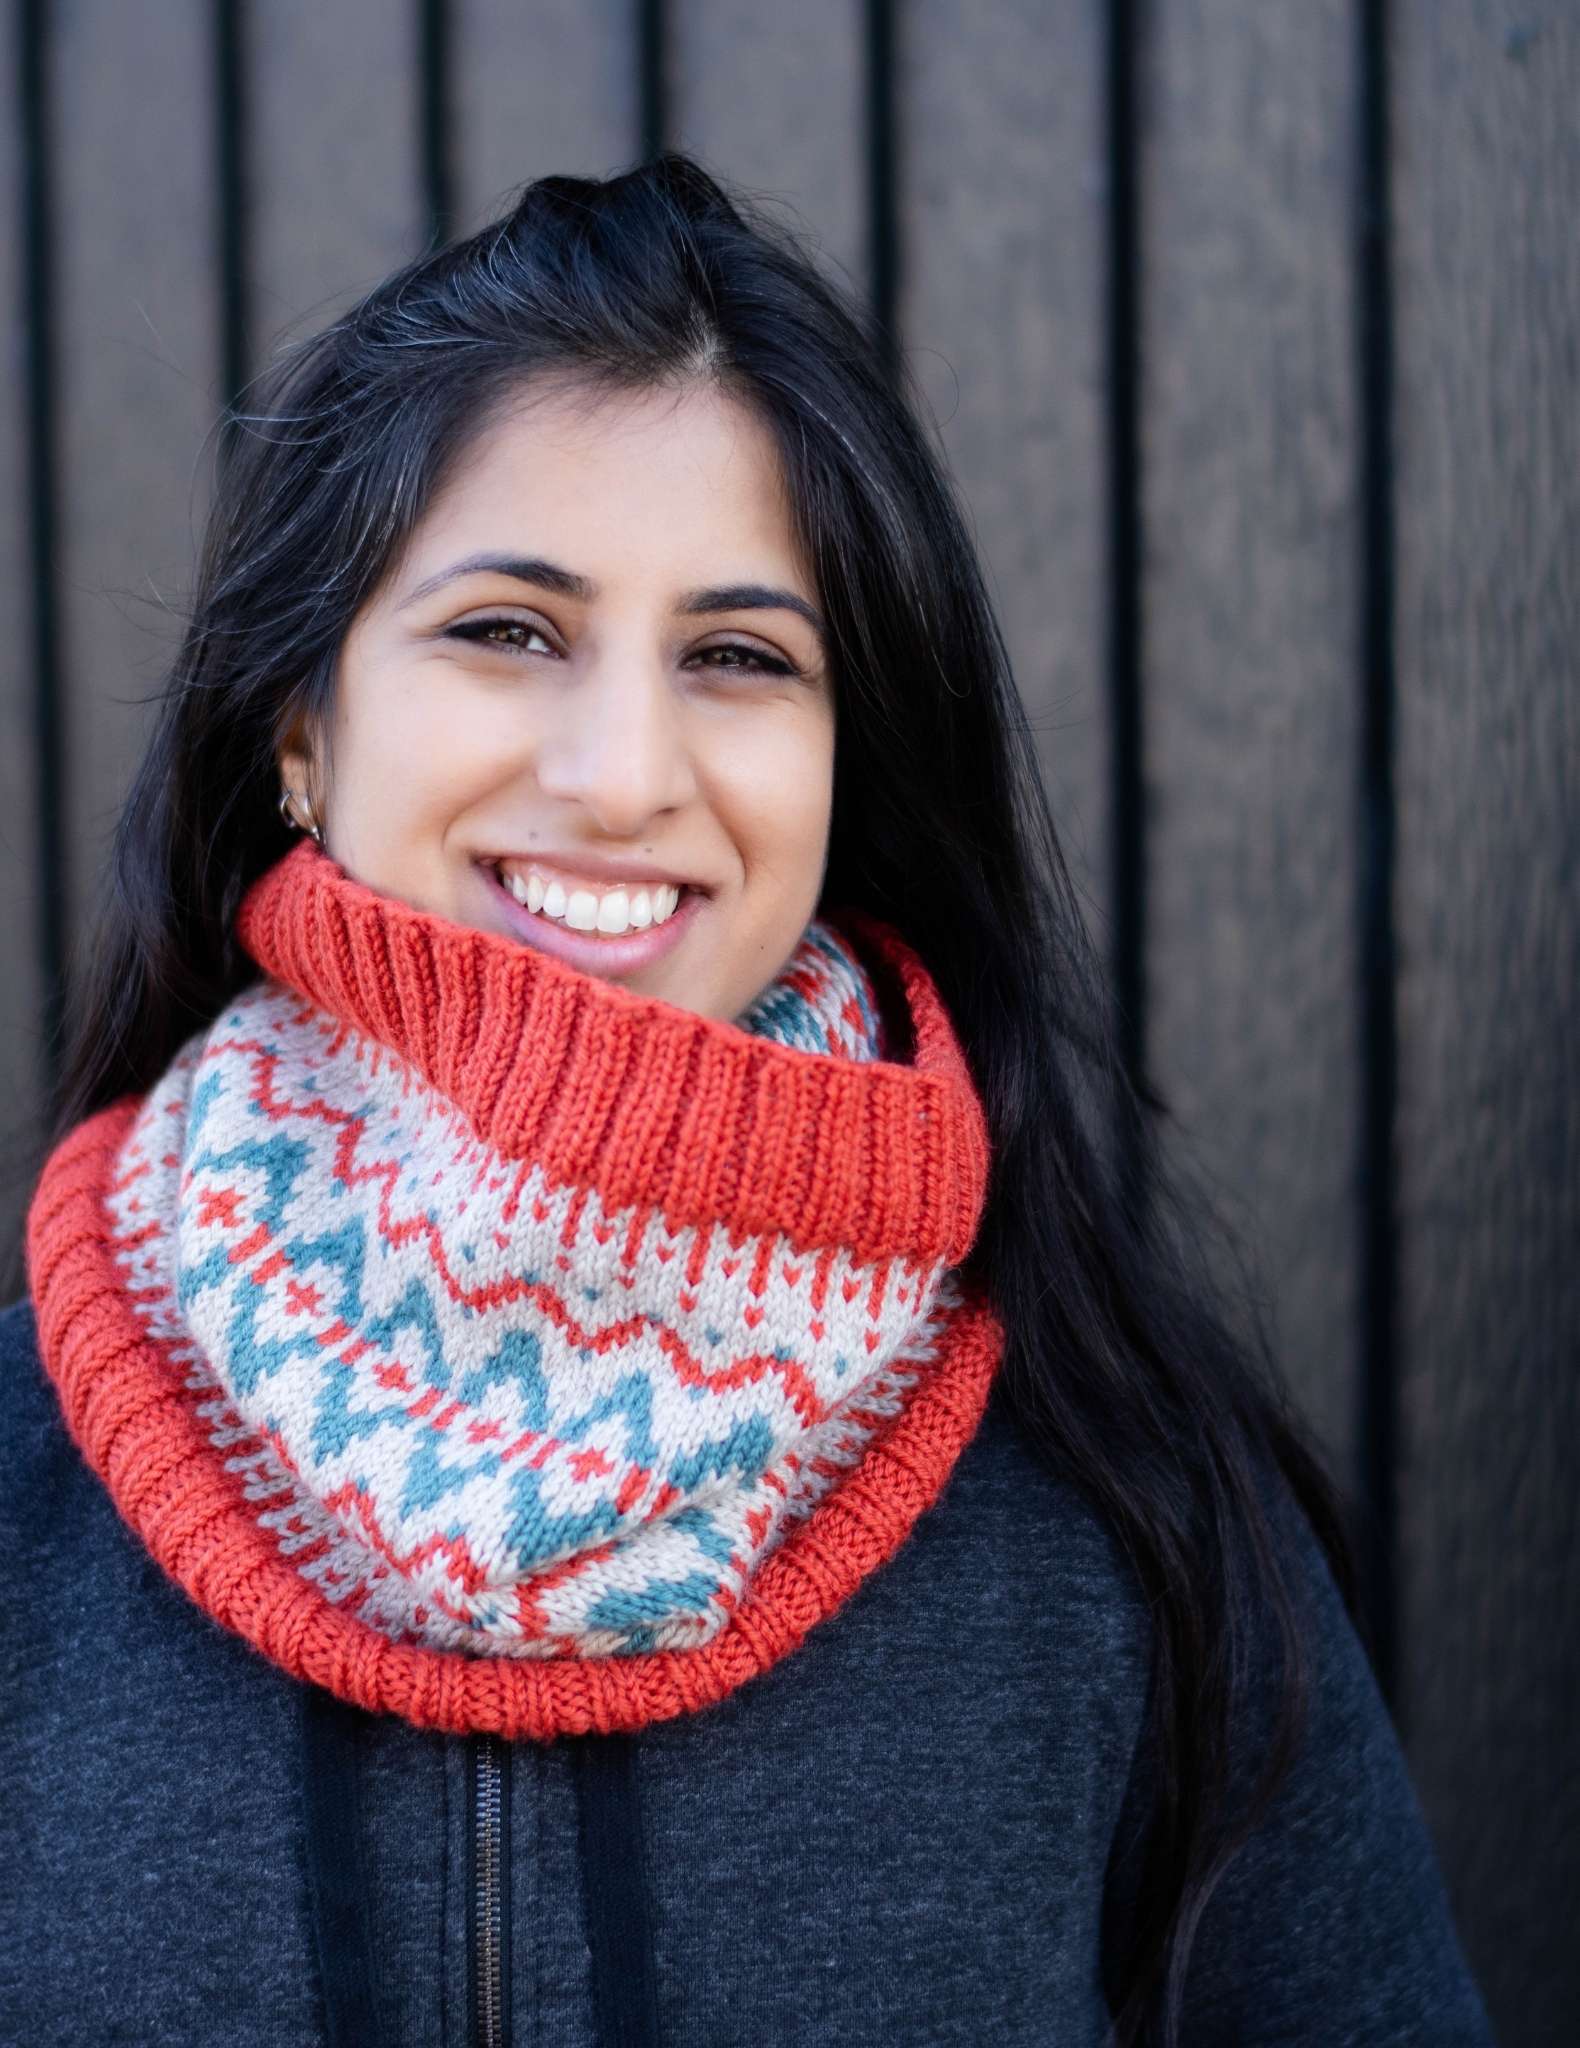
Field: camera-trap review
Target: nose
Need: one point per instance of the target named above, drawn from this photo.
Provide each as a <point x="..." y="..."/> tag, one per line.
<point x="615" y="743"/>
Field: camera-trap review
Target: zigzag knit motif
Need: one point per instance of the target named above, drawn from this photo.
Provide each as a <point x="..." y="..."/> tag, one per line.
<point x="481" y="1411"/>
<point x="523" y="1324"/>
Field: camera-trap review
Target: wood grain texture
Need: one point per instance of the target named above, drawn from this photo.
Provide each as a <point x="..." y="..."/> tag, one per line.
<point x="1249" y="469"/>
<point x="22" y="1079"/>
<point x="1486" y="185"/>
<point x="540" y="89"/>
<point x="130" y="107"/>
<point x="334" y="161"/>
<point x="773" y="99"/>
<point x="1003" y="210"/>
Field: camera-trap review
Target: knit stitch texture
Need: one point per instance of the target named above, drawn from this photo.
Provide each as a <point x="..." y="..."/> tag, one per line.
<point x="501" y="1348"/>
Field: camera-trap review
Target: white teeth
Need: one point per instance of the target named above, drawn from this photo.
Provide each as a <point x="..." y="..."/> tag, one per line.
<point x="616" y="911"/>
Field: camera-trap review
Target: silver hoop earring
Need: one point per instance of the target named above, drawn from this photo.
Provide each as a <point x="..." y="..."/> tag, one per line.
<point x="291" y="818"/>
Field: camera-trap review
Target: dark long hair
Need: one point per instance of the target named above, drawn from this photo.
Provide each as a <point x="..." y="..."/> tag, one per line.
<point x="1124" y="1362"/>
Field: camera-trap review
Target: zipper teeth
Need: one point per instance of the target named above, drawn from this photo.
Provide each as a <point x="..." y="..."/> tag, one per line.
<point x="489" y="1989"/>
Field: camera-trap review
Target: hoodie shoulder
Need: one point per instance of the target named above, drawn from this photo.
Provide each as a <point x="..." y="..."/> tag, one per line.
<point x="1332" y="1920"/>
<point x="34" y="1437"/>
<point x="48" y="1496"/>
<point x="31" y="1411"/>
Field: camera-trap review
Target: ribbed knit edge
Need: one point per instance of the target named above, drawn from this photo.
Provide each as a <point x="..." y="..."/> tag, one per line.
<point x="124" y="1400"/>
<point x="647" y="1103"/>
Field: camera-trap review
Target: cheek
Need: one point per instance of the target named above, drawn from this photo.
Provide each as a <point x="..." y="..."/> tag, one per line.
<point x="774" y="789"/>
<point x="410" y="750"/>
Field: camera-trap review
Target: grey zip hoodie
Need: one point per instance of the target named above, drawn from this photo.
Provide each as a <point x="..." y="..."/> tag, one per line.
<point x="917" y="1828"/>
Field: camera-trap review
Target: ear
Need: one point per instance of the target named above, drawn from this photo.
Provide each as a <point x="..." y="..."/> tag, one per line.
<point x="295" y="764"/>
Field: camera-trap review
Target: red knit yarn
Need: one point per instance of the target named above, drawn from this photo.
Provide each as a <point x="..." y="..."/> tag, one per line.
<point x="639" y="1099"/>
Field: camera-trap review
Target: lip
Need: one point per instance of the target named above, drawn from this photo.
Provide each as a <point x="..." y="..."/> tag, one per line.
<point x="589" y="951"/>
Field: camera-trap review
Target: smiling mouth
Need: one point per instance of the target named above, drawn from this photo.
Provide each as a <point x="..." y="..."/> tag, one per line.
<point x="614" y="912"/>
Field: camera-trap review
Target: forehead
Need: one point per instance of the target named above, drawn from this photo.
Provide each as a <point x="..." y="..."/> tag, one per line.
<point x="674" y="484"/>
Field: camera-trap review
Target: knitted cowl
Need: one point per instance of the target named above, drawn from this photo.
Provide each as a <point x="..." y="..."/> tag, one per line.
<point x="500" y="1348"/>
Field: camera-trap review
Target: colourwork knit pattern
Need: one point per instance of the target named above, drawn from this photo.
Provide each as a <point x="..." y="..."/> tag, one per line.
<point x="821" y="1000"/>
<point x="442" y="1297"/>
<point x="480" y="1411"/>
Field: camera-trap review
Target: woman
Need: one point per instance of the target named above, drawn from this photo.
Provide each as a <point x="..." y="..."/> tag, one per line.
<point x="601" y="1454"/>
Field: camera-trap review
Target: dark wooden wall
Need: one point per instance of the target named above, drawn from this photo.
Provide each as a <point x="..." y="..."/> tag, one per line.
<point x="1253" y="335"/>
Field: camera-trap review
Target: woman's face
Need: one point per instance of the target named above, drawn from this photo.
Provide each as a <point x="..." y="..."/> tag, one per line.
<point x="597" y="674"/>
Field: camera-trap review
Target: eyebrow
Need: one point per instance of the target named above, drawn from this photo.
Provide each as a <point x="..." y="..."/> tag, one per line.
<point x="724" y="597"/>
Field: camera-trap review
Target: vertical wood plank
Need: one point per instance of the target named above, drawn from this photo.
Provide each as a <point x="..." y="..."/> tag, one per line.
<point x="130" y="113"/>
<point x="773" y="97"/>
<point x="1486" y="195"/>
<point x="335" y="171"/>
<point x="550" y="88"/>
<point x="1002" y="181"/>
<point x="1248" y="443"/>
<point x="22" y="1079"/>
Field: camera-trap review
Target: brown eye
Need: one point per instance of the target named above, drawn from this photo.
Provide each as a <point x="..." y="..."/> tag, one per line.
<point x="752" y="660"/>
<point x="481" y="632"/>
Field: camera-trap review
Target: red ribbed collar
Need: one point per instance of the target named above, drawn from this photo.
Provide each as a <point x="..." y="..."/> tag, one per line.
<point x="629" y="1094"/>
<point x="694" y="1116"/>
